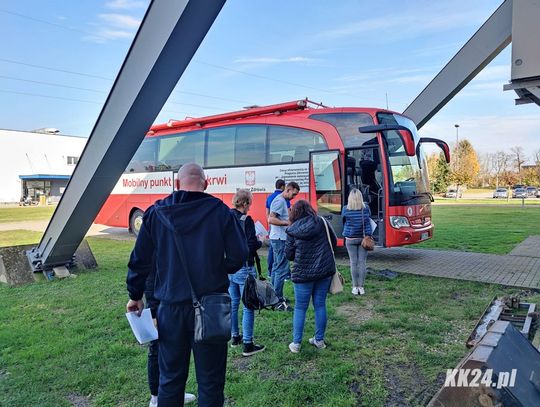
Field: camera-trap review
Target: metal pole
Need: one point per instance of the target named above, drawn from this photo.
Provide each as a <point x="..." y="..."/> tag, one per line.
<point x="169" y="35"/>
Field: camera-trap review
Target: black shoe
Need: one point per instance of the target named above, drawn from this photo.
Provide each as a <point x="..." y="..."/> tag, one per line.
<point x="251" y="349"/>
<point x="236" y="340"/>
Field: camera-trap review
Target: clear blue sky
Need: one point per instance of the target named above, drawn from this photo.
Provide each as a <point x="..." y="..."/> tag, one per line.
<point x="343" y="53"/>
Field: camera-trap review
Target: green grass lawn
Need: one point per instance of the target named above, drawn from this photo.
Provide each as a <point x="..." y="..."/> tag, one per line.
<point x="69" y="340"/>
<point x="487" y="201"/>
<point x="19" y="237"/>
<point x="482" y="229"/>
<point x="24" y="213"/>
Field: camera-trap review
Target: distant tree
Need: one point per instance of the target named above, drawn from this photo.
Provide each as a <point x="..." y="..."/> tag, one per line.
<point x="440" y="174"/>
<point x="518" y="156"/>
<point x="508" y="178"/>
<point x="484" y="173"/>
<point x="466" y="166"/>
<point x="499" y="164"/>
<point x="530" y="176"/>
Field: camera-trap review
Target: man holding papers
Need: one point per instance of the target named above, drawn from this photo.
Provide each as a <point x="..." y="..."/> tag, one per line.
<point x="216" y="245"/>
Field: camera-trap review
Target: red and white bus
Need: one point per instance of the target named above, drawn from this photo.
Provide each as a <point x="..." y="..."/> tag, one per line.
<point x="327" y="151"/>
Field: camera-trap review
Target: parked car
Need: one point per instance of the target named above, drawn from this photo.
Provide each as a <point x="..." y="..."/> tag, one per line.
<point x="532" y="191"/>
<point x="538" y="193"/>
<point x="519" y="193"/>
<point x="500" y="193"/>
<point x="452" y="192"/>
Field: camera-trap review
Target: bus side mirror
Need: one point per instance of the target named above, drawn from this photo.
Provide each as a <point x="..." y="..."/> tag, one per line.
<point x="404" y="133"/>
<point x="442" y="145"/>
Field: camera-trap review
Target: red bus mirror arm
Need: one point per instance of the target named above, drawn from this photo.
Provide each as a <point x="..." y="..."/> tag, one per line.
<point x="442" y="145"/>
<point x="404" y="133"/>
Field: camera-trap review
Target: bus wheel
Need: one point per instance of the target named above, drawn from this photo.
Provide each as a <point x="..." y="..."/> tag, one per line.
<point x="135" y="222"/>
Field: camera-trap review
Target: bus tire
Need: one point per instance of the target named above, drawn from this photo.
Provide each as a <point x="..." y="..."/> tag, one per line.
<point x="135" y="221"/>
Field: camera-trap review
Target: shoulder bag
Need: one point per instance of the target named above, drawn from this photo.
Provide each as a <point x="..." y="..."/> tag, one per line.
<point x="367" y="242"/>
<point x="212" y="322"/>
<point x="336" y="286"/>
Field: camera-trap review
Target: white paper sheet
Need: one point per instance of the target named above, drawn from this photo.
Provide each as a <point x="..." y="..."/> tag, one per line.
<point x="260" y="230"/>
<point x="143" y="327"/>
<point x="373" y="225"/>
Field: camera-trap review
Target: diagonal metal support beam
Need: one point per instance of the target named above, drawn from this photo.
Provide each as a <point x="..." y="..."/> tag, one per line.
<point x="494" y="35"/>
<point x="168" y="37"/>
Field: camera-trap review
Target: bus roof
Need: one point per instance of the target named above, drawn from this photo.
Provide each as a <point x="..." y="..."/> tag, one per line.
<point x="304" y="107"/>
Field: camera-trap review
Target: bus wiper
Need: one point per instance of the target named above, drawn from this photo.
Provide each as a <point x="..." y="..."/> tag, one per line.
<point x="419" y="195"/>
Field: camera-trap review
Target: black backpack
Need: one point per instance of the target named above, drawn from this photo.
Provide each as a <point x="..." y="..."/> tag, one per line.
<point x="259" y="294"/>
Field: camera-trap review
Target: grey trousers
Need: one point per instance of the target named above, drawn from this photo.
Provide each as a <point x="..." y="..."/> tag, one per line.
<point x="357" y="256"/>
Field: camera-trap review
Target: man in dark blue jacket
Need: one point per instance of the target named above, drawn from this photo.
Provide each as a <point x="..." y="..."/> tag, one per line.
<point x="216" y="246"/>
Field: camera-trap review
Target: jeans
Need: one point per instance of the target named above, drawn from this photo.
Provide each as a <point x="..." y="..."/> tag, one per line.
<point x="270" y="260"/>
<point x="280" y="267"/>
<point x="175" y="328"/>
<point x="318" y="290"/>
<point x="357" y="256"/>
<point x="236" y="289"/>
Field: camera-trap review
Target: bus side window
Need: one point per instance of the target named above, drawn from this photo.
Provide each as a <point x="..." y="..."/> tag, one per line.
<point x="179" y="149"/>
<point x="291" y="144"/>
<point x="250" y="145"/>
<point x="144" y="159"/>
<point x="220" y="148"/>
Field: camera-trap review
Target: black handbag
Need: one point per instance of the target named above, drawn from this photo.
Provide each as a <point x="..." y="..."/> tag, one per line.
<point x="212" y="321"/>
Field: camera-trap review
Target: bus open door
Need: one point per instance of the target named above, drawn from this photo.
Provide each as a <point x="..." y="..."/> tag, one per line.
<point x="326" y="186"/>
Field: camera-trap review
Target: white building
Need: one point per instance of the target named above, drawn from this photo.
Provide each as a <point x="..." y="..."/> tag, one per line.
<point x="36" y="163"/>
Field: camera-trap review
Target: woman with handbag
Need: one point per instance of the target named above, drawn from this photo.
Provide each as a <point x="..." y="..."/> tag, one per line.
<point x="357" y="232"/>
<point x="311" y="250"/>
<point x="242" y="201"/>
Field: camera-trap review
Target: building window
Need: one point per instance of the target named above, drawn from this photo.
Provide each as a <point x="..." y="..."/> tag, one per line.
<point x="71" y="160"/>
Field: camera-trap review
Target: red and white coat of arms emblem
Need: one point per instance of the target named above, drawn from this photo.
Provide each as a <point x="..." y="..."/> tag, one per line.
<point x="250" y="178"/>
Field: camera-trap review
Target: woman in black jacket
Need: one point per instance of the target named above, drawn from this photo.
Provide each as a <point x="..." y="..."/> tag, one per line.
<point x="242" y="201"/>
<point x="309" y="247"/>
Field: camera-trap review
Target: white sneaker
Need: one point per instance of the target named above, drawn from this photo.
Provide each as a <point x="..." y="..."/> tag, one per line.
<point x="317" y="344"/>
<point x="153" y="402"/>
<point x="189" y="398"/>
<point x="361" y="290"/>
<point x="294" y="347"/>
<point x="354" y="291"/>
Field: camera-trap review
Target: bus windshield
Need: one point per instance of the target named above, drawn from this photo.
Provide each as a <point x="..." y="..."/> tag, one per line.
<point x="408" y="181"/>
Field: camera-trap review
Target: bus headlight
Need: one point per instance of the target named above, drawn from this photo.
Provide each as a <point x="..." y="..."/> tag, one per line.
<point x="398" y="222"/>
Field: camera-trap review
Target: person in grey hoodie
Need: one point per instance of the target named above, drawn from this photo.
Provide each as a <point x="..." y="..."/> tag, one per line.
<point x="215" y="241"/>
<point x="310" y="247"/>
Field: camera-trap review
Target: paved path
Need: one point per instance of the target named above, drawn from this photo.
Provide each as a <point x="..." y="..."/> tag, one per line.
<point x="95" y="229"/>
<point x="520" y="268"/>
<point x="511" y="270"/>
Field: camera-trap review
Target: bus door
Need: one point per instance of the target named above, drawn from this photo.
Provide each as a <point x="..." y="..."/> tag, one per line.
<point x="364" y="172"/>
<point x="326" y="186"/>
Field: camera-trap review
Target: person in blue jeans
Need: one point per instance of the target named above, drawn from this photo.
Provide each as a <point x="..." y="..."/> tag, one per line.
<point x="311" y="249"/>
<point x="279" y="220"/>
<point x="242" y="201"/>
<point x="280" y="186"/>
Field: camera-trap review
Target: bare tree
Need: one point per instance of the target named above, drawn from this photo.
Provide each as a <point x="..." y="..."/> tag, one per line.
<point x="518" y="156"/>
<point x="499" y="164"/>
<point x="536" y="157"/>
<point x="485" y="169"/>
